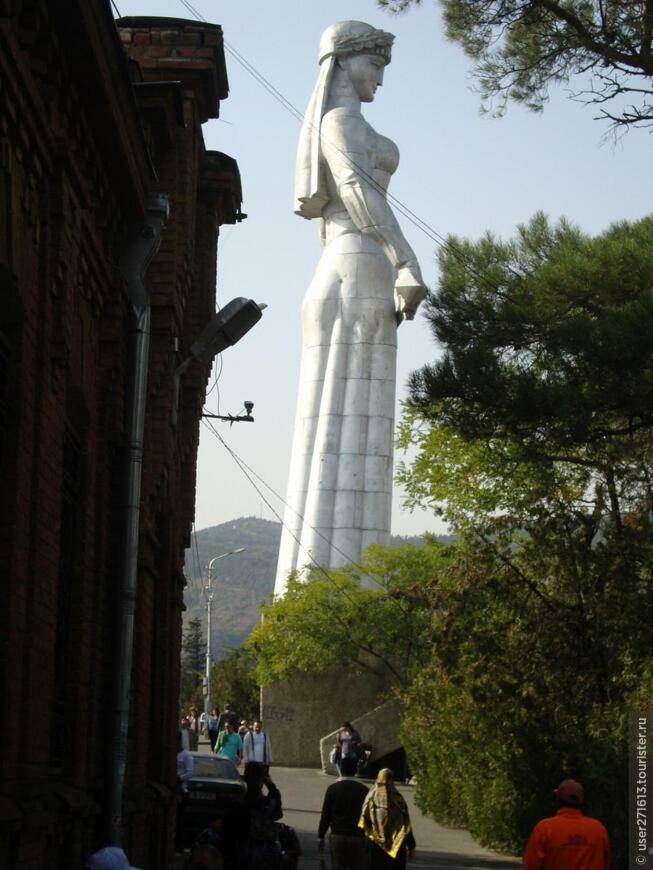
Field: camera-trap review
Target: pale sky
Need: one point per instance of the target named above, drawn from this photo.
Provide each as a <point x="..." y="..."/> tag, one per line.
<point x="460" y="172"/>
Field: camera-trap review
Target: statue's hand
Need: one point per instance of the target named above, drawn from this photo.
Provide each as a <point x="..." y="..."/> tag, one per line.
<point x="410" y="291"/>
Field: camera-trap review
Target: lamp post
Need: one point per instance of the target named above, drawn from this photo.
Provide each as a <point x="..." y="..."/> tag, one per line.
<point x="209" y="599"/>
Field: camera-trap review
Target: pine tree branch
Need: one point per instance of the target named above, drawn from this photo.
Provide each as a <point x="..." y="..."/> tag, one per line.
<point x="590" y="42"/>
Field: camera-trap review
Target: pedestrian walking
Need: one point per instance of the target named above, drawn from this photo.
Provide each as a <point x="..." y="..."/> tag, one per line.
<point x="569" y="840"/>
<point x="229" y="743"/>
<point x="386" y="823"/>
<point x="256" y="745"/>
<point x="193" y="728"/>
<point x="185" y="765"/>
<point x="184" y="728"/>
<point x="243" y="728"/>
<point x="348" y="743"/>
<point x="227" y="715"/>
<point x="262" y="848"/>
<point x="212" y="729"/>
<point x="341" y="810"/>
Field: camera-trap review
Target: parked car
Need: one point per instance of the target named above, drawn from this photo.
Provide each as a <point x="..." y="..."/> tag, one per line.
<point x="214" y="790"/>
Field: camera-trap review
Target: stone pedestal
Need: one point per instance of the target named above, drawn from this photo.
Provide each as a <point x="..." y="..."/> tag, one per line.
<point x="298" y="713"/>
<point x="379" y="728"/>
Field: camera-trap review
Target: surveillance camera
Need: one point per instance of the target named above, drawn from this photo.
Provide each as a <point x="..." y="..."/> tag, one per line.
<point x="249" y="407"/>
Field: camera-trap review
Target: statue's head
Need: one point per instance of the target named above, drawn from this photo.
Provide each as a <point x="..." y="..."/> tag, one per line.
<point x="348" y="38"/>
<point x="361" y="50"/>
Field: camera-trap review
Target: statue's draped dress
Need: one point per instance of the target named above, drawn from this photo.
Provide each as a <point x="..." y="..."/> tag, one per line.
<point x="340" y="484"/>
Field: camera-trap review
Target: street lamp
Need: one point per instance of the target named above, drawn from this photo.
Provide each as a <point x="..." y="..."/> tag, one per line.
<point x="223" y="330"/>
<point x="209" y="599"/>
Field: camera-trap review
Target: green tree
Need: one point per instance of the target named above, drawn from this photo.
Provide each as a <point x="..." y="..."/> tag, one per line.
<point x="534" y="437"/>
<point x="233" y="681"/>
<point x="193" y="651"/>
<point x="520" y="47"/>
<point x="381" y="625"/>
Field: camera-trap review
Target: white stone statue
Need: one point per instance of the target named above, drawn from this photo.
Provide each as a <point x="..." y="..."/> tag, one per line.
<point x="367" y="281"/>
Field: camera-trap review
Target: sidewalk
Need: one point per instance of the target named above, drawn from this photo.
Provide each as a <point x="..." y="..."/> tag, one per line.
<point x="437" y="847"/>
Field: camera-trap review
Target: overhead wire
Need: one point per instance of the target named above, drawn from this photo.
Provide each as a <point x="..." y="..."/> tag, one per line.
<point x="215" y="385"/>
<point x="319" y="567"/>
<point x="195" y="553"/>
<point x="247" y="470"/>
<point x="240" y="465"/>
<point x="332" y="580"/>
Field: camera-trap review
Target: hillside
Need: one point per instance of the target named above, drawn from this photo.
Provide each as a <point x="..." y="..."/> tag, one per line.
<point x="240" y="582"/>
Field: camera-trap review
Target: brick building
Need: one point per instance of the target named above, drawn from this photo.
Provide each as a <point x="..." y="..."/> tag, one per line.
<point x="101" y="159"/>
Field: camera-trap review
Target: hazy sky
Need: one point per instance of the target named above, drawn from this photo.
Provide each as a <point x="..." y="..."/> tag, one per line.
<point x="460" y="172"/>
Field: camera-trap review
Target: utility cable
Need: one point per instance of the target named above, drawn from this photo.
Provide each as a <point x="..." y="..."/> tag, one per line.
<point x="243" y="465"/>
<point x="358" y="606"/>
<point x="195" y="553"/>
<point x="262" y="496"/>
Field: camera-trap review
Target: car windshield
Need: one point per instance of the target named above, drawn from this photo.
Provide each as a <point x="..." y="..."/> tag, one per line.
<point x="210" y="767"/>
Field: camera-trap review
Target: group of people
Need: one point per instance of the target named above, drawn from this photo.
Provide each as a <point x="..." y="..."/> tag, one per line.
<point x="369" y="828"/>
<point x="227" y="736"/>
<point x="236" y="741"/>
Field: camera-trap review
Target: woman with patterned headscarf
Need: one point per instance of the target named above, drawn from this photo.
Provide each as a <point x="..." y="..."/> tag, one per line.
<point x="385" y="821"/>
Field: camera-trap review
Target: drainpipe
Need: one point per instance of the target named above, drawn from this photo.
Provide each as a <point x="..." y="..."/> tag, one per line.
<point x="140" y="244"/>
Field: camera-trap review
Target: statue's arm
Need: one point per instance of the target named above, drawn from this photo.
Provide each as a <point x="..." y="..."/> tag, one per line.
<point x="345" y="149"/>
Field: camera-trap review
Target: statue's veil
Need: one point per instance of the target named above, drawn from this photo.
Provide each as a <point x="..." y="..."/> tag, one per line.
<point x="344" y="37"/>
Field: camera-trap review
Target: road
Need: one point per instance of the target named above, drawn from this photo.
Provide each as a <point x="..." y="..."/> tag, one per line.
<point x="437" y="847"/>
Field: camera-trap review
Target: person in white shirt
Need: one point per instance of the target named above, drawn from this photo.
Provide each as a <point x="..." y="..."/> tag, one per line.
<point x="184" y="734"/>
<point x="256" y="745"/>
<point x="185" y="765"/>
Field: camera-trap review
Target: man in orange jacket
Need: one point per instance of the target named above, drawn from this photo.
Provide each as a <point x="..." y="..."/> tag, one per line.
<point x="569" y="840"/>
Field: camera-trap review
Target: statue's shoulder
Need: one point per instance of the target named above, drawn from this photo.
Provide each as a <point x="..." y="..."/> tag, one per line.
<point x="345" y="122"/>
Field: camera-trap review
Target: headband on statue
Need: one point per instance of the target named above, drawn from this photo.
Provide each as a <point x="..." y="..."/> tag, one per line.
<point x="375" y="42"/>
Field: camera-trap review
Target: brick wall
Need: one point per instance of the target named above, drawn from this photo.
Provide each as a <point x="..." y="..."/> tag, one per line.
<point x="92" y="118"/>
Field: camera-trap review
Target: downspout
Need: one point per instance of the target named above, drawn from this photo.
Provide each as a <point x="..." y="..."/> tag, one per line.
<point x="140" y="244"/>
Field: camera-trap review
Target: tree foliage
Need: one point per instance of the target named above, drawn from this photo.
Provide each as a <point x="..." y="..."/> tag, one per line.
<point x="534" y="437"/>
<point x="370" y="616"/>
<point x="546" y="381"/>
<point x="520" y="47"/>
<point x="233" y="681"/>
<point x="193" y="651"/>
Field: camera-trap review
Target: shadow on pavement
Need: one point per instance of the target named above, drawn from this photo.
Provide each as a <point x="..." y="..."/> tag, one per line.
<point x="425" y="859"/>
<point x="440" y="860"/>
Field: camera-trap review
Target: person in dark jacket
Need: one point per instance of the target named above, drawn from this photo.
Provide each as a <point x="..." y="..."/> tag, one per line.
<point x="227" y="714"/>
<point x="261" y="847"/>
<point x="341" y="810"/>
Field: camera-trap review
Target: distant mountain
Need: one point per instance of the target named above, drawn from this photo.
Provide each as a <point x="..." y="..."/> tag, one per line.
<point x="240" y="582"/>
